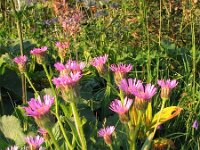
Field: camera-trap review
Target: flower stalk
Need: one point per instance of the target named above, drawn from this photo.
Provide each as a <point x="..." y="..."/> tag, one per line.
<point x="135" y="133"/>
<point x="79" y="126"/>
<point x="50" y="82"/>
<point x="56" y="107"/>
<point x="31" y="84"/>
<point x="19" y="30"/>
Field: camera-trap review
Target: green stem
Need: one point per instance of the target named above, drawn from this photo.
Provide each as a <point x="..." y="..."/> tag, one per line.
<point x="133" y="146"/>
<point x="56" y="107"/>
<point x="64" y="133"/>
<point x="151" y="136"/>
<point x="19" y="31"/>
<point x="121" y="95"/>
<point x="23" y="80"/>
<point x="52" y="87"/>
<point x="110" y="146"/>
<point x="79" y="126"/>
<point x="29" y="81"/>
<point x="53" y="139"/>
<point x="161" y="109"/>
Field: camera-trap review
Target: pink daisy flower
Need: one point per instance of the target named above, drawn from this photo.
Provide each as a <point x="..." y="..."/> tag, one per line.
<point x="99" y="63"/>
<point x="120" y="108"/>
<point x="74" y="66"/>
<point x="37" y="108"/>
<point x="59" y="66"/>
<point x="120" y="71"/>
<point x="130" y="85"/>
<point x="106" y="133"/>
<point x="39" y="51"/>
<point x="146" y="92"/>
<point x="121" y="68"/>
<point x="34" y="142"/>
<point x="166" y="87"/>
<point x="66" y="81"/>
<point x="70" y="66"/>
<point x="143" y="95"/>
<point x="21" y="61"/>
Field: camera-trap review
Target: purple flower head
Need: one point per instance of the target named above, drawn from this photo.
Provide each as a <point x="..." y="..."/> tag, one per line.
<point x="74" y="66"/>
<point x="195" y="124"/>
<point x="34" y="142"/>
<point x="59" y="66"/>
<point x="146" y="92"/>
<point x="106" y="133"/>
<point x="12" y="148"/>
<point x="143" y="95"/>
<point x="21" y="61"/>
<point x="66" y="81"/>
<point x="37" y="108"/>
<point x="168" y="83"/>
<point x="121" y="68"/>
<point x="39" y="51"/>
<point x="70" y="66"/>
<point x="120" y="108"/>
<point x="166" y="87"/>
<point x="120" y="71"/>
<point x="99" y="63"/>
<point x="40" y="54"/>
<point x="129" y="86"/>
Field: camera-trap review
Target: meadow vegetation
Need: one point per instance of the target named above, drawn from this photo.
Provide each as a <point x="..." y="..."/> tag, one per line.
<point x="99" y="74"/>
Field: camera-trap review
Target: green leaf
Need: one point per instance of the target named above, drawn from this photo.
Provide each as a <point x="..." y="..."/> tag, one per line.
<point x="10" y="127"/>
<point x="56" y="131"/>
<point x="147" y="143"/>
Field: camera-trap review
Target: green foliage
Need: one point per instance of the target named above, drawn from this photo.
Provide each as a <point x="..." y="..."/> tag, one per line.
<point x="11" y="129"/>
<point x="160" y="40"/>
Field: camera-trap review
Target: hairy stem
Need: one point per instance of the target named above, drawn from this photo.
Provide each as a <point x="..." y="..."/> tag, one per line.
<point x="56" y="107"/>
<point x="32" y="86"/>
<point x="79" y="127"/>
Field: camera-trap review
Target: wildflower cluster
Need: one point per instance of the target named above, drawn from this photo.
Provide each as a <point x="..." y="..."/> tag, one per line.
<point x="137" y="95"/>
<point x="69" y="75"/>
<point x="131" y="106"/>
